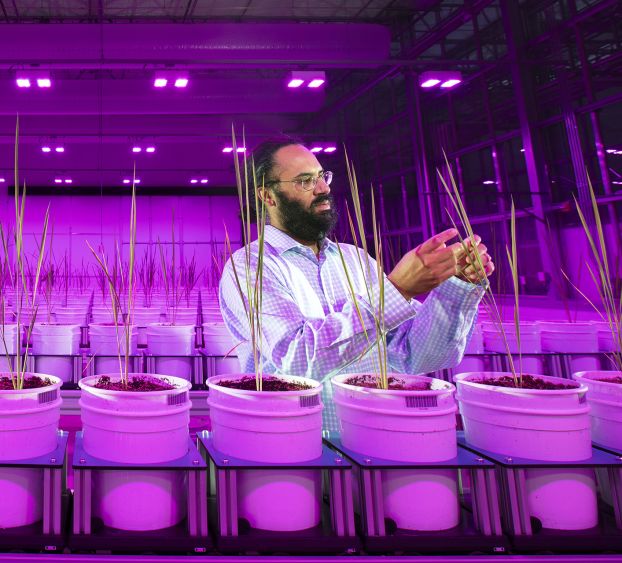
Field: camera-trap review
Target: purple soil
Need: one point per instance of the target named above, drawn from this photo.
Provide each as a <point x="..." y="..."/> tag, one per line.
<point x="616" y="379"/>
<point x="525" y="382"/>
<point x="395" y="383"/>
<point x="30" y="382"/>
<point x="247" y="383"/>
<point x="138" y="383"/>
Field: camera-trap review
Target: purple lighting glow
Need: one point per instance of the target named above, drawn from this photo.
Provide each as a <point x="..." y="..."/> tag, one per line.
<point x="295" y="83"/>
<point x="316" y="83"/>
<point x="58" y="180"/>
<point x="1" y="180"/>
<point x="240" y="149"/>
<point x="317" y="149"/>
<point x="23" y="83"/>
<point x="60" y="149"/>
<point x="193" y="181"/>
<point x="150" y="149"/>
<point x="611" y="151"/>
<point x="44" y="83"/>
<point x="430" y="82"/>
<point x="68" y="181"/>
<point x="46" y="149"/>
<point x="136" y="149"/>
<point x="227" y="149"/>
<point x="450" y="83"/>
<point x="330" y="149"/>
<point x="181" y="82"/>
<point x="160" y="82"/>
<point x="488" y="182"/>
<point x="204" y="181"/>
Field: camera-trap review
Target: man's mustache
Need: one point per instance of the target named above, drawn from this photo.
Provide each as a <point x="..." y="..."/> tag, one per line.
<point x="321" y="199"/>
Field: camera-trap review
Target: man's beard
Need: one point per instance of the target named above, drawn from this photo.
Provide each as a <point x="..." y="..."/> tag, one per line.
<point x="305" y="224"/>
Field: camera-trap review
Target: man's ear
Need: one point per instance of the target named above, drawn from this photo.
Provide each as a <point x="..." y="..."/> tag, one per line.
<point x="266" y="195"/>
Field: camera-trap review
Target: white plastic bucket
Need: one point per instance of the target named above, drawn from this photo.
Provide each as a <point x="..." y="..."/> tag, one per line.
<point x="530" y="343"/>
<point x="549" y="425"/>
<point x="71" y="315"/>
<point x="405" y="425"/>
<point x="473" y="359"/>
<point x="606" y="338"/>
<point x="218" y="340"/>
<point x="579" y="339"/>
<point x="212" y="314"/>
<point x="277" y="427"/>
<point x="52" y="348"/>
<point x="605" y="400"/>
<point x="28" y="428"/>
<point x="106" y="348"/>
<point x="103" y="314"/>
<point x="182" y="316"/>
<point x="143" y="317"/>
<point x="8" y="339"/>
<point x="173" y="347"/>
<point x="137" y="427"/>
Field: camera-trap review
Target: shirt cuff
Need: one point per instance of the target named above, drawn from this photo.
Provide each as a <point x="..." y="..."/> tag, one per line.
<point x="461" y="293"/>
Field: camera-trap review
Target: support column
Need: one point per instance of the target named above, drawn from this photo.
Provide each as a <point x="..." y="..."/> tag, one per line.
<point x="525" y="103"/>
<point x="424" y="186"/>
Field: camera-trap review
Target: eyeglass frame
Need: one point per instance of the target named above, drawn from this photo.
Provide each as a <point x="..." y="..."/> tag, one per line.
<point x="325" y="175"/>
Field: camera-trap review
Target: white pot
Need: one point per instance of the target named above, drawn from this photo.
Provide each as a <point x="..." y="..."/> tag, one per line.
<point x="212" y="314"/>
<point x="143" y="317"/>
<point x="71" y="315"/>
<point x="274" y="427"/>
<point x="52" y="346"/>
<point x="411" y="426"/>
<point x="140" y="428"/>
<point x="28" y="428"/>
<point x="106" y="348"/>
<point x="182" y="316"/>
<point x="218" y="340"/>
<point x="103" y="315"/>
<point x="572" y="338"/>
<point x="549" y="425"/>
<point x="530" y="343"/>
<point x="605" y="400"/>
<point x="606" y="338"/>
<point x="8" y="339"/>
<point x="473" y="360"/>
<point x="173" y="347"/>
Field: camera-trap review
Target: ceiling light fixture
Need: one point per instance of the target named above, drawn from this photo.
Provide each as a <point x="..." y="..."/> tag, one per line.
<point x="312" y="78"/>
<point x="446" y="78"/>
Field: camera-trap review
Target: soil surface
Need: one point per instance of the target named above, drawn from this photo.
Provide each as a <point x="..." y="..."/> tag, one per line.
<point x="526" y="382"/>
<point x="30" y="382"/>
<point x="395" y="383"/>
<point x="247" y="383"/>
<point x="136" y="383"/>
<point x="616" y="379"/>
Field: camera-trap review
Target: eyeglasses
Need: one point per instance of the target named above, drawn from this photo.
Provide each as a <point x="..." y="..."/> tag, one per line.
<point x="307" y="183"/>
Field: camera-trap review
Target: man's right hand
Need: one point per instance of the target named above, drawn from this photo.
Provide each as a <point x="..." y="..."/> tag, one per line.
<point x="427" y="266"/>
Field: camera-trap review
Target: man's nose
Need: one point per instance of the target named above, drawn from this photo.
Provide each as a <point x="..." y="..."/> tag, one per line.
<point x="321" y="187"/>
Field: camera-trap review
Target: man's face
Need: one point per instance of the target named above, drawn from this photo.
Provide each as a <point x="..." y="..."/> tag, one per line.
<point x="306" y="215"/>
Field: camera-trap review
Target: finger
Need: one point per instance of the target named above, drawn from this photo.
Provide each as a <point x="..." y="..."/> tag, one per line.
<point x="438" y="241"/>
<point x="477" y="238"/>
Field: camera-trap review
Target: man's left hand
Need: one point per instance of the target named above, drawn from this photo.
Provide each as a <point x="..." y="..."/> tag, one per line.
<point x="470" y="268"/>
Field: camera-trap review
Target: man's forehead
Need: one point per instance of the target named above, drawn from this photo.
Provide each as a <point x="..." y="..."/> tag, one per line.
<point x="297" y="159"/>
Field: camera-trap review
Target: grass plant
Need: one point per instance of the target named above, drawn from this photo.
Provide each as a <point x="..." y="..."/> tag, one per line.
<point x="249" y="283"/>
<point x="23" y="290"/>
<point x="126" y="280"/>
<point x="469" y="242"/>
<point x="603" y="277"/>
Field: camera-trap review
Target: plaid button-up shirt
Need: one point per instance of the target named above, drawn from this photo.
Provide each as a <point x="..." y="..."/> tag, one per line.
<point x="311" y="327"/>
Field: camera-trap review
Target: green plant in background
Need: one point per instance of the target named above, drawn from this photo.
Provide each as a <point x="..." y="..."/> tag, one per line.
<point x="18" y="373"/>
<point x="469" y="243"/>
<point x="603" y="278"/>
<point x="147" y="272"/>
<point x="250" y="288"/>
<point x="127" y="281"/>
<point x="171" y="276"/>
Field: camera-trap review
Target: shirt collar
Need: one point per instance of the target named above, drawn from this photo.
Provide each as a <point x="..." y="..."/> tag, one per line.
<point x="282" y="242"/>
